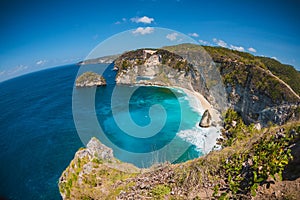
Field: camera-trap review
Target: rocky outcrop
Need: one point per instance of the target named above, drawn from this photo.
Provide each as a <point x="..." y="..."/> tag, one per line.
<point x="158" y="67"/>
<point x="90" y="79"/>
<point x="91" y="168"/>
<point x="205" y="120"/>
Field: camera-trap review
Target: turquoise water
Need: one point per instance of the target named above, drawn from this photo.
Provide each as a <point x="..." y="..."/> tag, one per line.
<point x="39" y="137"/>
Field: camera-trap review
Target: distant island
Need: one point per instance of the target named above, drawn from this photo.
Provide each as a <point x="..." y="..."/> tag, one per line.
<point x="260" y="134"/>
<point x="90" y="79"/>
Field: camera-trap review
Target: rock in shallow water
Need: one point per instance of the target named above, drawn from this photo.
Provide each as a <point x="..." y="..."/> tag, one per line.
<point x="205" y="120"/>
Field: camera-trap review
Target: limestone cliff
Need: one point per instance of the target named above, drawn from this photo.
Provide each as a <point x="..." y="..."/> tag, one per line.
<point x="251" y="87"/>
<point x="158" y="67"/>
<point x="253" y="90"/>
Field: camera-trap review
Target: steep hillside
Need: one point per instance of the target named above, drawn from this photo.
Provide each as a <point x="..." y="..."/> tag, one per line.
<point x="251" y="86"/>
<point x="244" y="169"/>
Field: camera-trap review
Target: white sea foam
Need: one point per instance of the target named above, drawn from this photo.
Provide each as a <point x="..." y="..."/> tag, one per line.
<point x="204" y="139"/>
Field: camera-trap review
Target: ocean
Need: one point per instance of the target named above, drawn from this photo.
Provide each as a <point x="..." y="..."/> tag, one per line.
<point x="39" y="136"/>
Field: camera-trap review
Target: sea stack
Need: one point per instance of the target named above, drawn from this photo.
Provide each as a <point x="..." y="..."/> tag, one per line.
<point x="90" y="79"/>
<point x="205" y="120"/>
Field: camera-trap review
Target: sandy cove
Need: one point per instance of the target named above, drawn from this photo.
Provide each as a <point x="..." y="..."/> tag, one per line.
<point x="205" y="105"/>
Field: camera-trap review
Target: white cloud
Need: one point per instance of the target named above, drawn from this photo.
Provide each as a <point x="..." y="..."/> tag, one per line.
<point x="251" y="49"/>
<point x="220" y="42"/>
<point x="193" y="34"/>
<point x="121" y="21"/>
<point x="145" y="20"/>
<point x="274" y="57"/>
<point x="41" y="62"/>
<point x="143" y="31"/>
<point x="172" y="36"/>
<point x="237" y="48"/>
<point x="17" y="69"/>
<point x="204" y="42"/>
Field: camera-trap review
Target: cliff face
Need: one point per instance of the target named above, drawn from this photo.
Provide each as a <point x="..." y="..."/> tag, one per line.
<point x="250" y="87"/>
<point x="254" y="91"/>
<point x="158" y="67"/>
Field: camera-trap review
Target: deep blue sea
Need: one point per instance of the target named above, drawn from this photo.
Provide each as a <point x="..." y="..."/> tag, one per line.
<point x="39" y="137"/>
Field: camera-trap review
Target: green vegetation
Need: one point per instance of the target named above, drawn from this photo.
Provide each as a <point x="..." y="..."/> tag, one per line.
<point x="286" y="73"/>
<point x="160" y="191"/>
<point x="245" y="171"/>
<point x="234" y="128"/>
<point x="265" y="156"/>
<point x="252" y="72"/>
<point x="89" y="77"/>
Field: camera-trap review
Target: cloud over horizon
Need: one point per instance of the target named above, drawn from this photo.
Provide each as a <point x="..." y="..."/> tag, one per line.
<point x="143" y="31"/>
<point x="41" y="62"/>
<point x="204" y="42"/>
<point x="193" y="34"/>
<point x="220" y="42"/>
<point x="172" y="36"/>
<point x="238" y="48"/>
<point x="145" y="20"/>
<point x="251" y="49"/>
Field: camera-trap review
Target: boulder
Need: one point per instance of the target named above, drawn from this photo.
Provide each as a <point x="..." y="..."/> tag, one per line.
<point x="99" y="150"/>
<point x="205" y="120"/>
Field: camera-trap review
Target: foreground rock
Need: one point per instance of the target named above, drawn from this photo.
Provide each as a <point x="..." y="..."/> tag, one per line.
<point x="91" y="172"/>
<point x="90" y="79"/>
<point x="205" y="121"/>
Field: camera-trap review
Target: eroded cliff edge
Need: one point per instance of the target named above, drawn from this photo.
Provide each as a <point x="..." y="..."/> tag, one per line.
<point x="234" y="171"/>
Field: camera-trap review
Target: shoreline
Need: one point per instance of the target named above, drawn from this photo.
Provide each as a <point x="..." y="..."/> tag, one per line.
<point x="204" y="103"/>
<point x="205" y="139"/>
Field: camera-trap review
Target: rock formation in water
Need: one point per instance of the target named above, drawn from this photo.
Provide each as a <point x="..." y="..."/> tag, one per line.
<point x="90" y="79"/>
<point x="205" y="119"/>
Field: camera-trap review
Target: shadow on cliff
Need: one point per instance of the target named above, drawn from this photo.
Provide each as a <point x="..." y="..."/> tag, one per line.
<point x="292" y="170"/>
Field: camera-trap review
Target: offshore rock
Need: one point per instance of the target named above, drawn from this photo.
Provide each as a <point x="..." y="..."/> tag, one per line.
<point x="90" y="79"/>
<point x="205" y="121"/>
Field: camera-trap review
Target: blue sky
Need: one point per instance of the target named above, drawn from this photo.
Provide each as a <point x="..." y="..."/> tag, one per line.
<point x="37" y="34"/>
